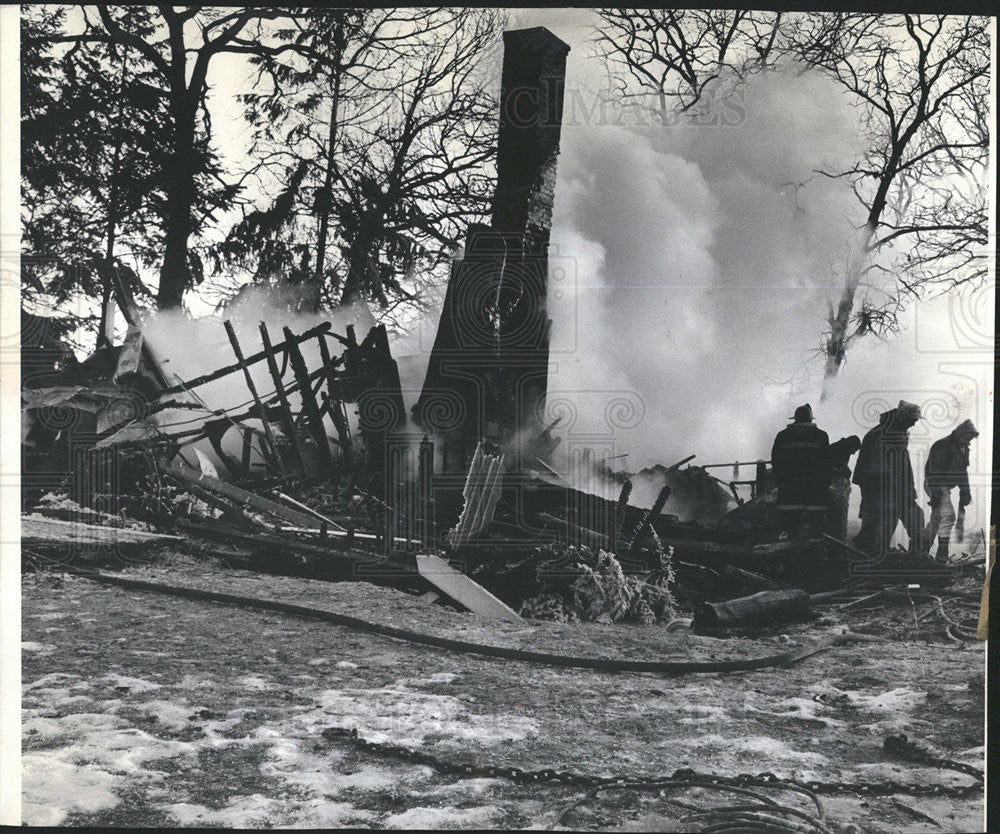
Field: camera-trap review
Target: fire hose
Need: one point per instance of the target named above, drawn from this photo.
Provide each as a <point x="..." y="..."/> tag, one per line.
<point x="665" y="667"/>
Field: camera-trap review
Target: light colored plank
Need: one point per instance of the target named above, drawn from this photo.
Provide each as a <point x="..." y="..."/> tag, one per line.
<point x="463" y="590"/>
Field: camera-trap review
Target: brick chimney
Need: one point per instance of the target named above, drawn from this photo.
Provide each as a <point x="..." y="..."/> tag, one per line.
<point x="491" y="349"/>
<point x="531" y="104"/>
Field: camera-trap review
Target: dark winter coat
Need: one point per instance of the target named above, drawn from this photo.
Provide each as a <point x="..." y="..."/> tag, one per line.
<point x="840" y="455"/>
<point x="800" y="459"/>
<point x="883" y="465"/>
<point x="947" y="464"/>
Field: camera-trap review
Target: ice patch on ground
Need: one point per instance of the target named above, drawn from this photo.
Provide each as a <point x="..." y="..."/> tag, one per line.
<point x="132" y="684"/>
<point x="464" y="787"/>
<point x="433" y="818"/>
<point x="405" y="716"/>
<point x="289" y="760"/>
<point x="441" y="677"/>
<point x="44" y="681"/>
<point x="768" y="746"/>
<point x="772" y="750"/>
<point x="258" y="811"/>
<point x="909" y="772"/>
<point x="254" y="682"/>
<point x="196" y="682"/>
<point x="699" y="713"/>
<point x="169" y="715"/>
<point x="803" y="709"/>
<point x="346" y="664"/>
<point x="97" y="753"/>
<point x="41" y="648"/>
<point x="53" y="788"/>
<point x="894" y="701"/>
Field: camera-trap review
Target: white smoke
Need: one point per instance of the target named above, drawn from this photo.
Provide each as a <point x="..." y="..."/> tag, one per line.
<point x="692" y="265"/>
<point x="186" y="348"/>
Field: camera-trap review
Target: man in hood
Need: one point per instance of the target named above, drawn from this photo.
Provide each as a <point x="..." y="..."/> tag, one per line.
<point x="947" y="467"/>
<point x="800" y="459"/>
<point x="840" y="485"/>
<point x="888" y="492"/>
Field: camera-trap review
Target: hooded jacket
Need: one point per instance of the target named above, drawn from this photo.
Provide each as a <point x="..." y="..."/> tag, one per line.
<point x="884" y="460"/>
<point x="947" y="464"/>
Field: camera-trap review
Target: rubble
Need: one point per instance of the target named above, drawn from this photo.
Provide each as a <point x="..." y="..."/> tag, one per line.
<point x="327" y="475"/>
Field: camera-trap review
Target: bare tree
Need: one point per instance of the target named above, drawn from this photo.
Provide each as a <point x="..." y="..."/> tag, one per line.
<point x="382" y="141"/>
<point x="180" y="48"/>
<point x="920" y="87"/>
<point x="675" y="56"/>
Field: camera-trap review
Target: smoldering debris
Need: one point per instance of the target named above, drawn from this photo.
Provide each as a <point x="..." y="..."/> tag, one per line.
<point x="294" y="451"/>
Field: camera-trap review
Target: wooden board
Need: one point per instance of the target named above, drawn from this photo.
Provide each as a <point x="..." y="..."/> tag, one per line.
<point x="463" y="590"/>
<point x="241" y="496"/>
<point x="36" y="529"/>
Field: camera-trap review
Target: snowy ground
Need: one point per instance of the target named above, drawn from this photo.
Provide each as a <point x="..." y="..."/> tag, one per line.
<point x="146" y="710"/>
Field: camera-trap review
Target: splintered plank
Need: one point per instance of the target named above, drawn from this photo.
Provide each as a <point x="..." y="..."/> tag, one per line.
<point x="279" y="386"/>
<point x="243" y="364"/>
<point x="241" y="496"/>
<point x="36" y="529"/>
<point x="463" y="590"/>
<point x="314" y="419"/>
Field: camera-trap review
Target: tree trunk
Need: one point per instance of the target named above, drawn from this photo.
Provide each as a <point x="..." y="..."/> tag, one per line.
<point x="836" y="345"/>
<point x="353" y="282"/>
<point x="325" y="206"/>
<point x="106" y="329"/>
<point x="175" y="277"/>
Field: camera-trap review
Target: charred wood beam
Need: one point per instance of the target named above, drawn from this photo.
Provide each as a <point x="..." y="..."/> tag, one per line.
<point x="642" y="529"/>
<point x="425" y="480"/>
<point x="250" y="360"/>
<point x="356" y="564"/>
<point x="131" y="313"/>
<point x="242" y="364"/>
<point x="279" y="389"/>
<point x="253" y="412"/>
<point x="334" y="405"/>
<point x="241" y="496"/>
<point x="314" y="419"/>
<point x="247" y="448"/>
<point x="230" y="510"/>
<point x="619" y="518"/>
<point x="575" y="532"/>
<point x="193" y="435"/>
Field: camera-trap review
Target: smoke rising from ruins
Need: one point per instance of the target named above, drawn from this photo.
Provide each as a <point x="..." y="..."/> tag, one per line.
<point x="690" y="271"/>
<point x="702" y="259"/>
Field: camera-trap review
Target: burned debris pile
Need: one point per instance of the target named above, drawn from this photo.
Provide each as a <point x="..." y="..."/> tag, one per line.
<point x="322" y="472"/>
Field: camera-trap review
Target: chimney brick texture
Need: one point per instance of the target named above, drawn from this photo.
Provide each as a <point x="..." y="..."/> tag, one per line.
<point x="531" y="105"/>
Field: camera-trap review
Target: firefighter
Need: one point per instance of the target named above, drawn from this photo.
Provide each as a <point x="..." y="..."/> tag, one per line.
<point x="800" y="460"/>
<point x="840" y="485"/>
<point x="888" y="493"/>
<point x="947" y="467"/>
